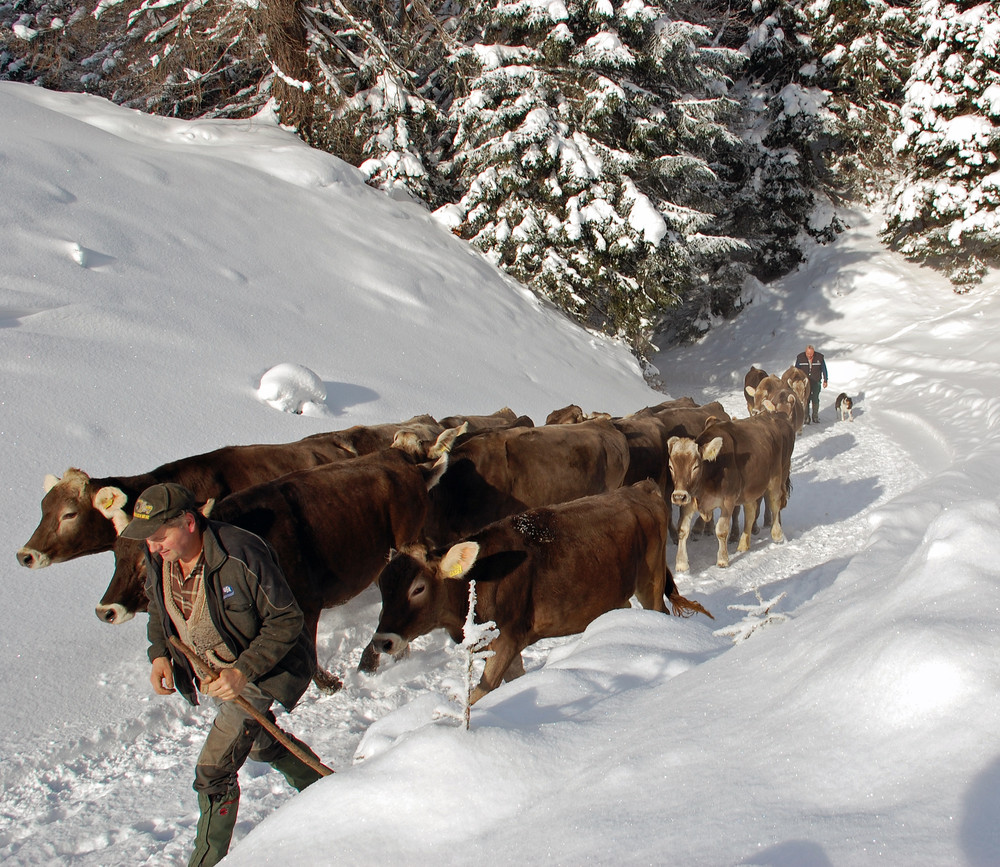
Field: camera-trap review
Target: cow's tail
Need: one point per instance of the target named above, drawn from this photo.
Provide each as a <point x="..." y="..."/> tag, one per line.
<point x="682" y="607"/>
<point x="786" y="491"/>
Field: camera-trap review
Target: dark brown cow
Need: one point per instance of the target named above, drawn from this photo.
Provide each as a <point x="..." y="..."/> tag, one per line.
<point x="772" y="395"/>
<point x="540" y="574"/>
<point x="731" y="464"/>
<point x="73" y="524"/>
<point x="495" y="473"/>
<point x="751" y="380"/>
<point x="331" y="526"/>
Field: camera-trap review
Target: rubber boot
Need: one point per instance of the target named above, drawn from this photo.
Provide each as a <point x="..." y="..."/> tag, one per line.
<point x="298" y="774"/>
<point x="815" y="418"/>
<point x="215" y="827"/>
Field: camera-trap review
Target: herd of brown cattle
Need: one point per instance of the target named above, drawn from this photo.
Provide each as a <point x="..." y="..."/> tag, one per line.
<point x="557" y="524"/>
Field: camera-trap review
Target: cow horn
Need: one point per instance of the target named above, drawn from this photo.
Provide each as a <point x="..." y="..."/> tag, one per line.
<point x="459" y="560"/>
<point x="206" y="509"/>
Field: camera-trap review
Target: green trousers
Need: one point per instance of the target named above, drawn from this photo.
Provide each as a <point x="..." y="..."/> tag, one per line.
<point x="234" y="737"/>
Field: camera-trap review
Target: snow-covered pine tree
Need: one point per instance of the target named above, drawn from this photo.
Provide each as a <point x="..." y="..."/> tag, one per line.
<point x="946" y="210"/>
<point x="861" y="53"/>
<point x="585" y="153"/>
<point x="380" y="68"/>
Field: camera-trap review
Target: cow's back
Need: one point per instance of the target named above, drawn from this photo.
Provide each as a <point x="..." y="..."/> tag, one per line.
<point x="584" y="557"/>
<point x="501" y="472"/>
<point x="333" y="526"/>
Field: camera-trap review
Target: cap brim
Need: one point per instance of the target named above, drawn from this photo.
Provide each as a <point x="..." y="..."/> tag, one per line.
<point x="140" y="529"/>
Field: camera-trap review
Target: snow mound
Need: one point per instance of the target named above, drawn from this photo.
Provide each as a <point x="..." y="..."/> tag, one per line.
<point x="293" y="388"/>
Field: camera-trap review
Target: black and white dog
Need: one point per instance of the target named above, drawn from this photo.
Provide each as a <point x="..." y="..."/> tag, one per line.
<point x="845" y="407"/>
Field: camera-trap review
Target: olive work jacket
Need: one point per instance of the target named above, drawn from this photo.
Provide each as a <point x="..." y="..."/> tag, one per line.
<point x="253" y="610"/>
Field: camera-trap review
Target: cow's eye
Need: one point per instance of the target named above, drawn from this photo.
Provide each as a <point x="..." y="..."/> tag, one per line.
<point x="68" y="516"/>
<point x="418" y="589"/>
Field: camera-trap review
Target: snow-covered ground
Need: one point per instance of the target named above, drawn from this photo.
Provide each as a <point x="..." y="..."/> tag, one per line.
<point x="840" y="709"/>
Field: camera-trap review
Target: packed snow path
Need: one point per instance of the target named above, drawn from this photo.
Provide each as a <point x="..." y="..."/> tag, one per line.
<point x="121" y="795"/>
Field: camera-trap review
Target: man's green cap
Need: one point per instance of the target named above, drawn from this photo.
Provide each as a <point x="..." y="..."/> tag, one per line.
<point x="155" y="506"/>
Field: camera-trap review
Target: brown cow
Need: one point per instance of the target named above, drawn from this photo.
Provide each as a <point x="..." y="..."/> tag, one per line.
<point x="573" y="414"/>
<point x="648" y="432"/>
<point x="540" y="574"/>
<point x="73" y="525"/>
<point x="495" y="473"/>
<point x="501" y="418"/>
<point x="751" y="380"/>
<point x="331" y="526"/>
<point x="773" y="395"/>
<point x="731" y="464"/>
<point x="798" y="382"/>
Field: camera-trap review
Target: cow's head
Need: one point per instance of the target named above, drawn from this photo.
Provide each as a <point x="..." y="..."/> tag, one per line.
<point x="418" y="595"/>
<point x="423" y="450"/>
<point x="72" y="522"/>
<point x="686" y="459"/>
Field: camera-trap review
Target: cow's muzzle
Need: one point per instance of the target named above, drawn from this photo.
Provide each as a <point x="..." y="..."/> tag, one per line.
<point x="32" y="559"/>
<point x="389" y="642"/>
<point x="114" y="614"/>
<point x="680" y="498"/>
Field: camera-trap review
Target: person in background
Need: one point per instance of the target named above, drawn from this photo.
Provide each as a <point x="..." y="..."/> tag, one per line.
<point x="813" y="365"/>
<point x="220" y="590"/>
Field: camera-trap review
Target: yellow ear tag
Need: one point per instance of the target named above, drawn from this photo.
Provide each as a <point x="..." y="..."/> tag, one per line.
<point x="455" y="570"/>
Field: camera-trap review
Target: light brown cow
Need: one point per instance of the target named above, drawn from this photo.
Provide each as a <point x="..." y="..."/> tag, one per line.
<point x="499" y="472"/>
<point x="751" y="380"/>
<point x="732" y="464"/>
<point x="540" y="574"/>
<point x="504" y="417"/>
<point x="573" y="414"/>
<point x="798" y="382"/>
<point x="73" y="524"/>
<point x="772" y="395"/>
<point x="332" y="528"/>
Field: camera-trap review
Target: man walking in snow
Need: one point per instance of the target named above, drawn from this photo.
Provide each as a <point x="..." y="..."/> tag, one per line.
<point x="220" y="590"/>
<point x="813" y="365"/>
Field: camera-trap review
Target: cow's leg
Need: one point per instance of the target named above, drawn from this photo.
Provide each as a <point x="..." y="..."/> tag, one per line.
<point x="749" y="519"/>
<point x="734" y="526"/>
<point x="774" y="499"/>
<point x="722" y="534"/>
<point x="504" y="654"/>
<point x="325" y="681"/>
<point x="514" y="670"/>
<point x="683" y="531"/>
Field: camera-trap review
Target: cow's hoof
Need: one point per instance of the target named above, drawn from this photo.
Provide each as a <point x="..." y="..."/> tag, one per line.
<point x="369" y="660"/>
<point x="326" y="682"/>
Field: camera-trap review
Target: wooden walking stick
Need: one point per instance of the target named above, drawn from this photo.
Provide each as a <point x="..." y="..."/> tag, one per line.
<point x="207" y="675"/>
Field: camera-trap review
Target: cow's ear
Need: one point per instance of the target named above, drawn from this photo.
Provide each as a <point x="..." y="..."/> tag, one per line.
<point x="432" y="474"/>
<point x="49" y="482"/>
<point x="770" y="407"/>
<point x="444" y="442"/>
<point x="710" y="451"/>
<point x="751" y="391"/>
<point x="206" y="509"/>
<point x="109" y="500"/>
<point x="670" y="443"/>
<point x="459" y="560"/>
